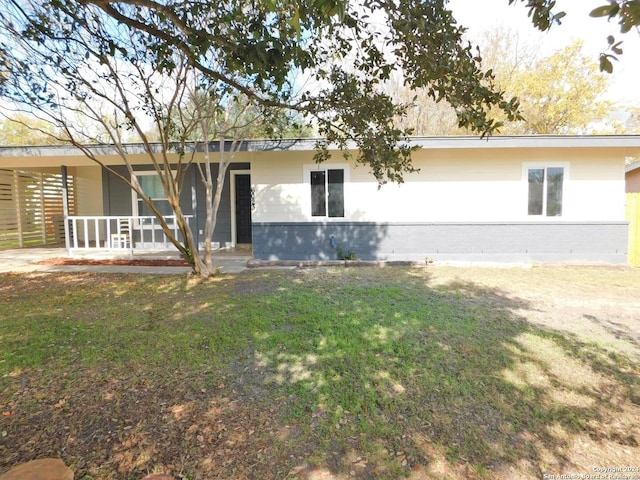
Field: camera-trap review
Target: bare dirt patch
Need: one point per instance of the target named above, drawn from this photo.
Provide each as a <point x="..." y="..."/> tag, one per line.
<point x="597" y="304"/>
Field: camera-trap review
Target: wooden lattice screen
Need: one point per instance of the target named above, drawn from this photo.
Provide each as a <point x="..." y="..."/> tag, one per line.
<point x="31" y="208"/>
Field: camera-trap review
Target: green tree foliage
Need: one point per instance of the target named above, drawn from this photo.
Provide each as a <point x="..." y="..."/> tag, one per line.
<point x="424" y="115"/>
<point x="558" y="94"/>
<point x="625" y="12"/>
<point x="22" y="129"/>
<point x="542" y="12"/>
<point x="261" y="50"/>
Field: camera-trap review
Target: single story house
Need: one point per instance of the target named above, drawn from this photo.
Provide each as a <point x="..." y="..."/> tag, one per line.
<point x="504" y="199"/>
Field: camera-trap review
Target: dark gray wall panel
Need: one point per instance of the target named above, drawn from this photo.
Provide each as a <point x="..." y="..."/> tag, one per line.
<point x="117" y="196"/>
<point x="118" y="193"/>
<point x="222" y="231"/>
<point x="503" y="242"/>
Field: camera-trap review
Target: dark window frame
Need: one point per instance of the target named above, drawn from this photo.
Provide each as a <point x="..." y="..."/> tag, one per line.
<point x="327" y="192"/>
<point x="140" y="209"/>
<point x="545" y="190"/>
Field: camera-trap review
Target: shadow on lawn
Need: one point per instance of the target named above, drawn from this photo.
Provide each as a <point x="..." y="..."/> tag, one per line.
<point x="411" y="380"/>
<point x="368" y="373"/>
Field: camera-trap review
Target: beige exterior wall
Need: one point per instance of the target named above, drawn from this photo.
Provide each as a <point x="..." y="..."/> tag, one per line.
<point x="280" y="193"/>
<point x="453" y="185"/>
<point x="88" y="190"/>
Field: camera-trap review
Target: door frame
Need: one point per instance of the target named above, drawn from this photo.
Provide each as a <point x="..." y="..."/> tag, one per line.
<point x="232" y="193"/>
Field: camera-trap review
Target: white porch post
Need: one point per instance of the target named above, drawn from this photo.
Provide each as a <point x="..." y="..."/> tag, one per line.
<point x="130" y="223"/>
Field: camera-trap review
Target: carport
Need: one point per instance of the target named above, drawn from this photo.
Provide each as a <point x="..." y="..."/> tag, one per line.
<point x="32" y="206"/>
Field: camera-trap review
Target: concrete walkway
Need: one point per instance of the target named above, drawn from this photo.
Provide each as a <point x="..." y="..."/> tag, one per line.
<point x="26" y="260"/>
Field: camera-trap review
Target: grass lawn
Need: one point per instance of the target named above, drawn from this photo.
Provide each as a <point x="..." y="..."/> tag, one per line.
<point x="323" y="374"/>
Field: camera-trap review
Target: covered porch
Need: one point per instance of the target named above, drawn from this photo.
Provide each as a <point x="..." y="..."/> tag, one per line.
<point x="55" y="196"/>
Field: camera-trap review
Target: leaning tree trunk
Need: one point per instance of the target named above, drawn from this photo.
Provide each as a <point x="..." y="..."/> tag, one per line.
<point x="213" y="205"/>
<point x="189" y="250"/>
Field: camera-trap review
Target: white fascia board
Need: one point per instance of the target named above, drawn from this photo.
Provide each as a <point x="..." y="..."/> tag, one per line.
<point x="71" y="151"/>
<point x="533" y="141"/>
<point x="470" y="142"/>
<point x="630" y="142"/>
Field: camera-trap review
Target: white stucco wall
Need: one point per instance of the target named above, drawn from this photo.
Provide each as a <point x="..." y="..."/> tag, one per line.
<point x="456" y="185"/>
<point x="460" y="180"/>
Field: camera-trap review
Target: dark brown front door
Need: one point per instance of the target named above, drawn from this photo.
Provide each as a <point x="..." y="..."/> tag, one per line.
<point x="243" y="208"/>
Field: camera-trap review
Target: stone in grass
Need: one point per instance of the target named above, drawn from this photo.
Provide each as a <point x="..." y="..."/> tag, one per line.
<point x="158" y="476"/>
<point x="42" y="469"/>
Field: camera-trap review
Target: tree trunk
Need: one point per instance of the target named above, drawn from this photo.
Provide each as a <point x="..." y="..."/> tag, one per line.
<point x="189" y="250"/>
<point x="212" y="201"/>
<point x="209" y="221"/>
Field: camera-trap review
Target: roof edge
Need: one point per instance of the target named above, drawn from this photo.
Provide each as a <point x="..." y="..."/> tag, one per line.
<point x="308" y="144"/>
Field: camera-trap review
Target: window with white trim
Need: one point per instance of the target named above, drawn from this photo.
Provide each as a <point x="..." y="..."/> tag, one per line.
<point x="545" y="191"/>
<point x="327" y="192"/>
<point x="152" y="187"/>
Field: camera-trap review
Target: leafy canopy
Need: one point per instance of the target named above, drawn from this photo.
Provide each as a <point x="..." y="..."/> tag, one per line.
<point x="559" y="94"/>
<point x="326" y="60"/>
<point x="626" y="12"/>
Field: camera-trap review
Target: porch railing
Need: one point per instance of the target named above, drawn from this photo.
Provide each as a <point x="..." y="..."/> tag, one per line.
<point x="120" y="233"/>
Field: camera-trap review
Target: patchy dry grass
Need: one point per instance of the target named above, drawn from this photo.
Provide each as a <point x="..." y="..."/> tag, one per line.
<point x="330" y="373"/>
